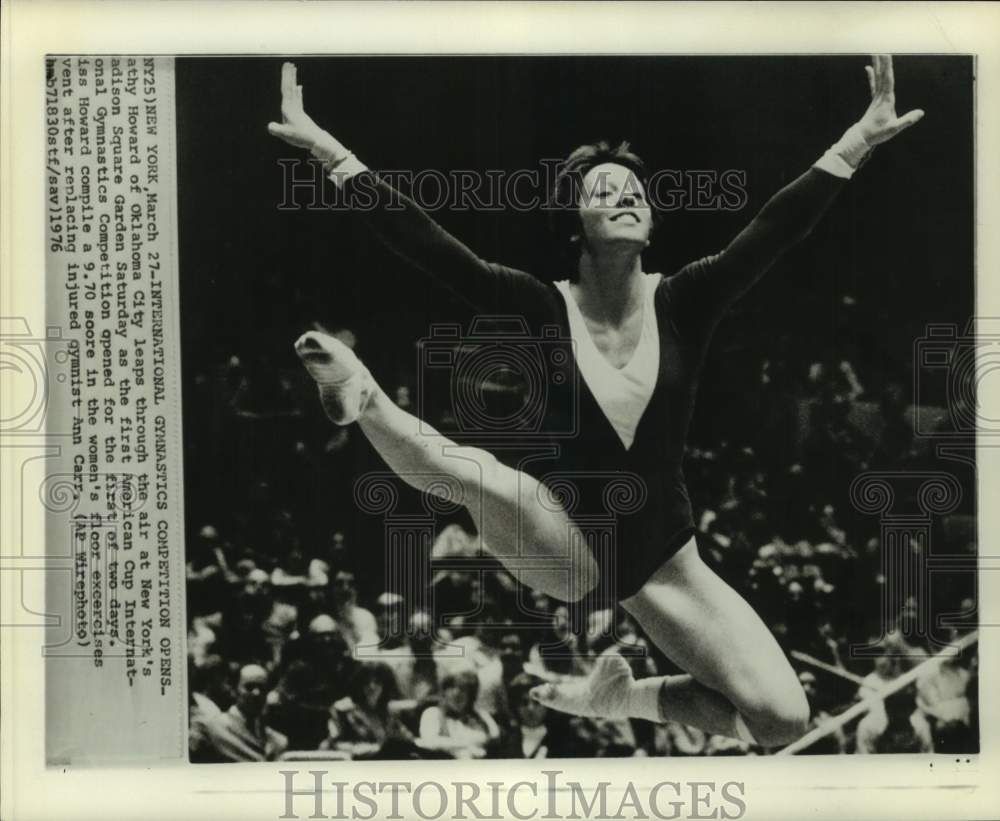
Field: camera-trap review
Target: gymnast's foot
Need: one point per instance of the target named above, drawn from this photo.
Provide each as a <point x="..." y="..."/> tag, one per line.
<point x="602" y="694"/>
<point x="345" y="385"/>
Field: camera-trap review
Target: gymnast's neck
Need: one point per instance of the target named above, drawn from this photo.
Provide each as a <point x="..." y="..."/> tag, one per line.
<point x="609" y="286"/>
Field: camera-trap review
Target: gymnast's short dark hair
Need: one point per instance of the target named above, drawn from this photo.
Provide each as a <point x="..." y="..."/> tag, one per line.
<point x="564" y="198"/>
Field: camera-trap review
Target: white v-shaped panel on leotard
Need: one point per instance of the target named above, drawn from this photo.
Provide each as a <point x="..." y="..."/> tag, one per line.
<point x="622" y="393"/>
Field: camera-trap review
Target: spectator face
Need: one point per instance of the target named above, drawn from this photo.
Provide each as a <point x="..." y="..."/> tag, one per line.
<point x="372" y="691"/>
<point x="324" y="637"/>
<point x="808" y="682"/>
<point x="456" y="697"/>
<point x="257" y="584"/>
<point x="322" y="627"/>
<point x="541" y="602"/>
<point x="208" y="541"/>
<point x="599" y="626"/>
<point x="511" y="654"/>
<point x="884" y="667"/>
<point x="421" y="632"/>
<point x="908" y="622"/>
<point x="795" y="591"/>
<point x="343" y="587"/>
<point x="560" y="622"/>
<point x="390" y="620"/>
<point x="244" y="567"/>
<point x="510" y="645"/>
<point x="252" y="690"/>
<point x="530" y="713"/>
<point x="255" y="599"/>
<point x="386" y="622"/>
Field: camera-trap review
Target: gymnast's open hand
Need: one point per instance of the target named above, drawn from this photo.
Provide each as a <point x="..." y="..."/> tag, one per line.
<point x="298" y="128"/>
<point x="880" y="123"/>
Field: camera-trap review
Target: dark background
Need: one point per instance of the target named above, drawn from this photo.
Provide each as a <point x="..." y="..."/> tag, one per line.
<point x="899" y="241"/>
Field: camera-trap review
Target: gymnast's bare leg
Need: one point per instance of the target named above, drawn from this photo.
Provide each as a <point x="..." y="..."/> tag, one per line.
<point x="505" y="504"/>
<point x="744" y="686"/>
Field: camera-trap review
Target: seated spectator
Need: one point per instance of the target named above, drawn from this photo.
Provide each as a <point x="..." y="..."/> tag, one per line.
<point x="909" y="653"/>
<point x="200" y="638"/>
<point x="535" y="731"/>
<point x="484" y="660"/>
<point x="315" y="672"/>
<point x="559" y="650"/>
<point x="199" y="751"/>
<point x="361" y="723"/>
<point x="208" y="572"/>
<point x="390" y="620"/>
<point x="242" y="637"/>
<point x="900" y="734"/>
<point x="208" y="695"/>
<point x="885" y="670"/>
<point x="835" y="742"/>
<point x="942" y="699"/>
<point x="211" y="684"/>
<point x="357" y="624"/>
<point x="332" y="553"/>
<point x="292" y="572"/>
<point x="455" y="725"/>
<point x="418" y="664"/>
<point x="873" y="723"/>
<point x="241" y="733"/>
<point x="511" y="656"/>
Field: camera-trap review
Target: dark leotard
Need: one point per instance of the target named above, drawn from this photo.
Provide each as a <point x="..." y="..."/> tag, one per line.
<point x="641" y="490"/>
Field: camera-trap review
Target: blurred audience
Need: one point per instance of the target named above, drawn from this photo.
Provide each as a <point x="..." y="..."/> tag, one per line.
<point x="295" y="639"/>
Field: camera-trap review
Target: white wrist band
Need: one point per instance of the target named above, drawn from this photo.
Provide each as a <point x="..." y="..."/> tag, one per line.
<point x="344" y="169"/>
<point x="846" y="155"/>
<point x="339" y="164"/>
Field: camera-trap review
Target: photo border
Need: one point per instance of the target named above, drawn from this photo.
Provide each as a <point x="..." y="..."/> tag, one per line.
<point x="884" y="787"/>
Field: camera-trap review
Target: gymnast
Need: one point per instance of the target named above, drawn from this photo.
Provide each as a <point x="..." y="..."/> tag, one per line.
<point x="636" y="343"/>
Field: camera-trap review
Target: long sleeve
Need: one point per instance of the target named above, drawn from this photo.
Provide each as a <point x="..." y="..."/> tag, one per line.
<point x="409" y="231"/>
<point x="709" y="285"/>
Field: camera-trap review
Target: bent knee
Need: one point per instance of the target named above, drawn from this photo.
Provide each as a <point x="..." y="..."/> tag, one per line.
<point x="780" y="720"/>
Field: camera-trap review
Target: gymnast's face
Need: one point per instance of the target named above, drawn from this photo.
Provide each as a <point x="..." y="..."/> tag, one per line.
<point x="614" y="211"/>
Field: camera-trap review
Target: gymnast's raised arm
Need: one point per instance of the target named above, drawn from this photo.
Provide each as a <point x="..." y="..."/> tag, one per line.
<point x="398" y="221"/>
<point x="790" y="215"/>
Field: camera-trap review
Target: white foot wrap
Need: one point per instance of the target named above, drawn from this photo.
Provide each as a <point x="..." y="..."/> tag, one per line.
<point x="604" y="693"/>
<point x="345" y="386"/>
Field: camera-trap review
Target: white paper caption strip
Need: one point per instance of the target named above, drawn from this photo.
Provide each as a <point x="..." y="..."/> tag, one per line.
<point x="114" y="488"/>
